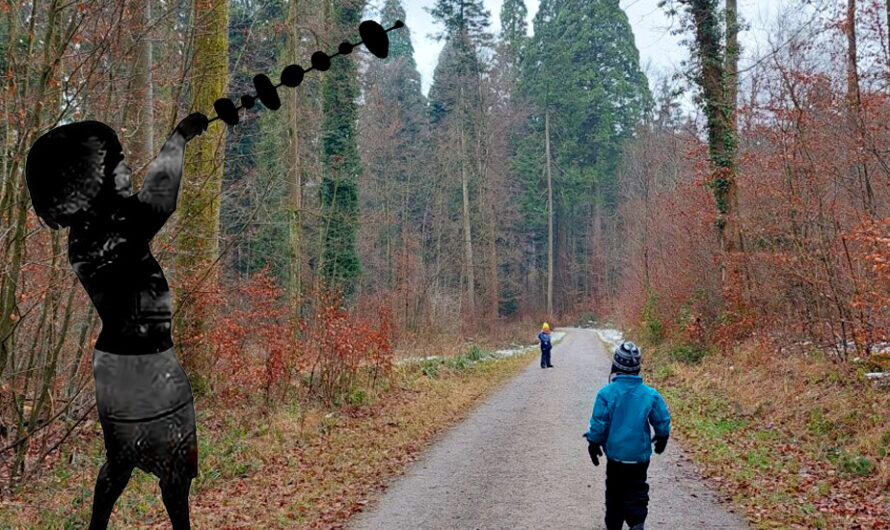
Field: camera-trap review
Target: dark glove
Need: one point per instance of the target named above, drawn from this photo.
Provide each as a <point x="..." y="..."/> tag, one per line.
<point x="595" y="452"/>
<point x="193" y="125"/>
<point x="660" y="444"/>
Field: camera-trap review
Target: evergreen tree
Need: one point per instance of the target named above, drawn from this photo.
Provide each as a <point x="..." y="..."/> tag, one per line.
<point x="513" y="25"/>
<point x="581" y="70"/>
<point x="341" y="165"/>
<point x="463" y="17"/>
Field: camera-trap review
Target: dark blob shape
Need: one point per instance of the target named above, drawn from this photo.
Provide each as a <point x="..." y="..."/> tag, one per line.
<point x="321" y="61"/>
<point x="398" y="24"/>
<point x="375" y="38"/>
<point x="226" y="111"/>
<point x="292" y="75"/>
<point x="248" y="101"/>
<point x="345" y="48"/>
<point x="266" y="91"/>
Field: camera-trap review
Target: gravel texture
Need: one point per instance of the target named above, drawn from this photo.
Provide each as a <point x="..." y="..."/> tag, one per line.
<point x="518" y="461"/>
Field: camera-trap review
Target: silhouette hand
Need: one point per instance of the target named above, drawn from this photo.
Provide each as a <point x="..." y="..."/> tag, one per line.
<point x="660" y="444"/>
<point x="595" y="452"/>
<point x="193" y="125"/>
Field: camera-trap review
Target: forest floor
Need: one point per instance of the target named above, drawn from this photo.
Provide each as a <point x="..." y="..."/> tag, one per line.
<point x="518" y="461"/>
<point x="796" y="440"/>
<point x="294" y="466"/>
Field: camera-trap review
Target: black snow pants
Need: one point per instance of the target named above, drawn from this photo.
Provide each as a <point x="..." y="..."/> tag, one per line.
<point x="627" y="494"/>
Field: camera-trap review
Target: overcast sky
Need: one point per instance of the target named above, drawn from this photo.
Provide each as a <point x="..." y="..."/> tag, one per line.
<point x="660" y="51"/>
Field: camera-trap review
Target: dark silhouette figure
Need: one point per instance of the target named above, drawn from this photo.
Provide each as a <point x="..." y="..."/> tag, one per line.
<point x="78" y="179"/>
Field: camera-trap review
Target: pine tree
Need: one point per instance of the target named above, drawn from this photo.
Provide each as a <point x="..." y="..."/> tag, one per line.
<point x="341" y="165"/>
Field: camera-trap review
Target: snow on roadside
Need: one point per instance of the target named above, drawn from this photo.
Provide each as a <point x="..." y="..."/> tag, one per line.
<point x="610" y="337"/>
<point x="556" y="337"/>
<point x="500" y="354"/>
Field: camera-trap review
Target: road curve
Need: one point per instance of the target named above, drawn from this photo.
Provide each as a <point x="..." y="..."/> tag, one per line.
<point x="518" y="461"/>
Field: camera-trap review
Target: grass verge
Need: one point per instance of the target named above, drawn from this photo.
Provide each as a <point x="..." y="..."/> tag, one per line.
<point x="796" y="440"/>
<point x="297" y="466"/>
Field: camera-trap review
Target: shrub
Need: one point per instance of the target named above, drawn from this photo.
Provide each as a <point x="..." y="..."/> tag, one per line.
<point x="687" y="354"/>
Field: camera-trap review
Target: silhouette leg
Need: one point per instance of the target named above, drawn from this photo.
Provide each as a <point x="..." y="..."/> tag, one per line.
<point x="175" y="493"/>
<point x="110" y="484"/>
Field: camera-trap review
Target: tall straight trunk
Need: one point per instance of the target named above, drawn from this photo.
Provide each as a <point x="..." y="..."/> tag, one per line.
<point x="598" y="273"/>
<point x="888" y="44"/>
<point x="493" y="281"/>
<point x="732" y="60"/>
<point x="854" y="107"/>
<point x="468" y="236"/>
<point x="198" y="241"/>
<point x="549" y="213"/>
<point x="141" y="107"/>
<point x="15" y="189"/>
<point x="295" y="184"/>
<point x="721" y="135"/>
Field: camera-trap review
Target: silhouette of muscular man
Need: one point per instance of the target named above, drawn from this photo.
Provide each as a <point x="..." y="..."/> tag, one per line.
<point x="78" y="179"/>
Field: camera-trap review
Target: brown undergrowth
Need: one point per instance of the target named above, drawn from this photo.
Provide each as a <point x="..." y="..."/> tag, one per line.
<point x="797" y="440"/>
<point x="296" y="465"/>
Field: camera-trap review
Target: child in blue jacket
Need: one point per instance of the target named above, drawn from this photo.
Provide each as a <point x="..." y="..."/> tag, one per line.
<point x="546" y="345"/>
<point x="620" y="425"/>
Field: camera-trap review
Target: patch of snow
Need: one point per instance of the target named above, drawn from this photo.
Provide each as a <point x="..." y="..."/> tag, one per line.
<point x="556" y="337"/>
<point x="610" y="337"/>
<point x="420" y="359"/>
<point x="500" y="354"/>
<point x="881" y="379"/>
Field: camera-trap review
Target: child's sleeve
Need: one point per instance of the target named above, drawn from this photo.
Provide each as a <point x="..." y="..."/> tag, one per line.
<point x="599" y="420"/>
<point x="659" y="417"/>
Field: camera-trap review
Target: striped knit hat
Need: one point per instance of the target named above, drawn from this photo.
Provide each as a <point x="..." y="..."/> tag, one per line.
<point x="626" y="358"/>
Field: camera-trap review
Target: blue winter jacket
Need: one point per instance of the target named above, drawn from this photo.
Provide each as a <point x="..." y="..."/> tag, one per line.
<point x="623" y="411"/>
<point x="545" y="341"/>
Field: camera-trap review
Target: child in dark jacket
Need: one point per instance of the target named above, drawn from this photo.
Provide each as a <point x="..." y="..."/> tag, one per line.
<point x="546" y="345"/>
<point x="620" y="424"/>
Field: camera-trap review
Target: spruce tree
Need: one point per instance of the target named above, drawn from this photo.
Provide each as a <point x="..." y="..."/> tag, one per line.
<point x="513" y="25"/>
<point x="340" y="159"/>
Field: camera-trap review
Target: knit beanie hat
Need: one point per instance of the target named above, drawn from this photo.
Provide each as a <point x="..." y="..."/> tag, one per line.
<point x="626" y="359"/>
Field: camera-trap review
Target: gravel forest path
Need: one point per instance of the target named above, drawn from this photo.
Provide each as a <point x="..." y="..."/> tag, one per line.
<point x="518" y="461"/>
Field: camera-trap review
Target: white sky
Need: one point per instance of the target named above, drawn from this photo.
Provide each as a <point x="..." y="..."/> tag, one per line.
<point x="660" y="51"/>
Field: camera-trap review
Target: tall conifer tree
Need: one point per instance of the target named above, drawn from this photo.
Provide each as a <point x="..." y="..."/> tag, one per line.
<point x="592" y="92"/>
<point x="340" y="159"/>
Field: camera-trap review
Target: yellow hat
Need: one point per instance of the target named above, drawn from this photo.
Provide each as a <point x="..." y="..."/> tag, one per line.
<point x="546" y="326"/>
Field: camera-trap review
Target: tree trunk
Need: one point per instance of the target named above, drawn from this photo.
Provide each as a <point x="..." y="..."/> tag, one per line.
<point x="719" y="114"/>
<point x="732" y="61"/>
<point x="295" y="185"/>
<point x="854" y="108"/>
<point x="198" y="241"/>
<point x="141" y="111"/>
<point x="468" y="236"/>
<point x="549" y="214"/>
<point x="494" y="285"/>
<point x="888" y="45"/>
